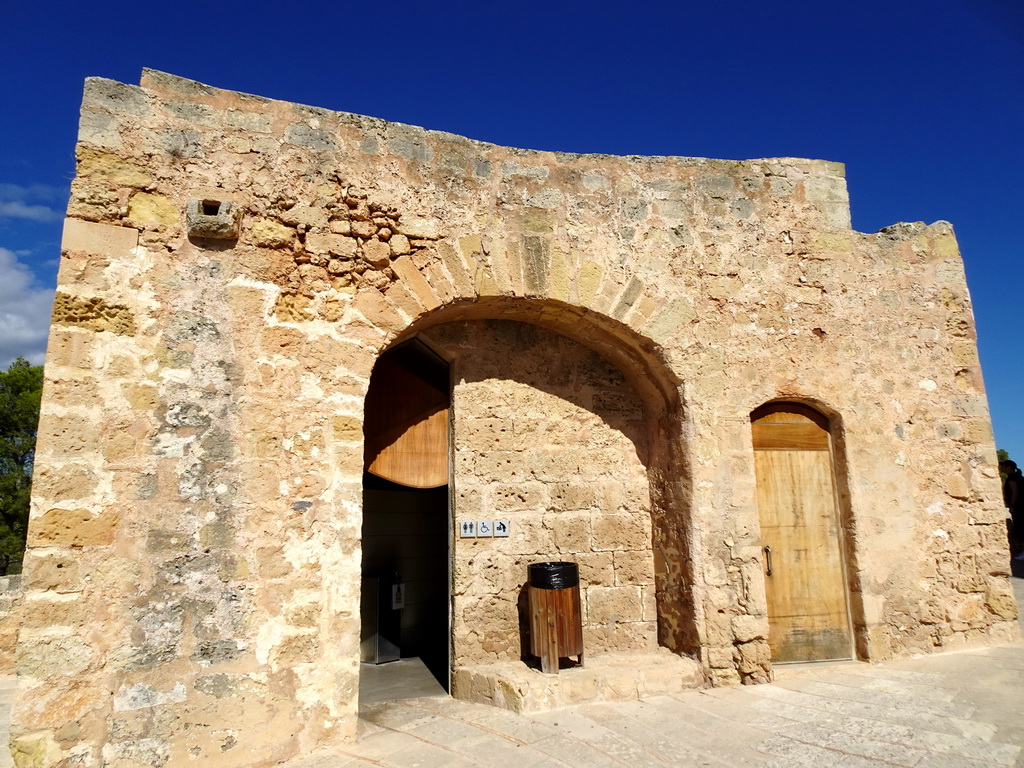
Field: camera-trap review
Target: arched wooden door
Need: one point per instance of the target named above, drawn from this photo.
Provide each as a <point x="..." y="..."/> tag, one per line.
<point x="406" y="427"/>
<point x="805" y="576"/>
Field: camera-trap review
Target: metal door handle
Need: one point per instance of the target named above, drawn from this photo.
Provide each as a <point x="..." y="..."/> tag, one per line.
<point x="768" y="555"/>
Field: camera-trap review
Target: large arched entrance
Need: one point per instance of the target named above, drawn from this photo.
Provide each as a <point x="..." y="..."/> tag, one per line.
<point x="569" y="430"/>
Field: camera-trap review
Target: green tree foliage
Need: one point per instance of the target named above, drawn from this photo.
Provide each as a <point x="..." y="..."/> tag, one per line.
<point x="21" y="388"/>
<point x="1002" y="456"/>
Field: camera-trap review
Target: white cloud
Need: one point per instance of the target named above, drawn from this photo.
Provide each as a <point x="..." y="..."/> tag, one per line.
<point x="32" y="193"/>
<point x="31" y="202"/>
<point x="24" y="312"/>
<point x="18" y="210"/>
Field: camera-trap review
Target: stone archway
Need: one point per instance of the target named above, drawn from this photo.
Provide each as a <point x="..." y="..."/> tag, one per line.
<point x="659" y="429"/>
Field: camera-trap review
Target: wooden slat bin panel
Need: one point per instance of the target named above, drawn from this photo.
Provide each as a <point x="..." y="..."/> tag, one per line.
<point x="556" y="619"/>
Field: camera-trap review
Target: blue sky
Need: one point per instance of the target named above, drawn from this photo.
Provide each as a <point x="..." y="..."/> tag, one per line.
<point x="923" y="101"/>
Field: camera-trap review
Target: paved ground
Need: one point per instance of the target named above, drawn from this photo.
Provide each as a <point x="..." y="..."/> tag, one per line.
<point x="956" y="710"/>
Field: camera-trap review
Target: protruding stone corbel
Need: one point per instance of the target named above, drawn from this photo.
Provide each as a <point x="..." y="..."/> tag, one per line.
<point x="213" y="219"/>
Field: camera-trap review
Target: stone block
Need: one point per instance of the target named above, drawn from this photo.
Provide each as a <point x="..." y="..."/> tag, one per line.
<point x="196" y="114"/>
<point x="109" y="168"/>
<point x="596" y="568"/>
<point x="514" y="498"/>
<point x="572" y="496"/>
<point x="749" y="628"/>
<point x="588" y="281"/>
<point x="572" y="531"/>
<point x="36" y="749"/>
<point x="304" y="135"/>
<point x="363" y="229"/>
<point x="116" y="97"/>
<point x="337" y="245"/>
<point x="66" y="481"/>
<point x="399" y="245"/>
<point x="238" y="145"/>
<point x="99" y="239"/>
<point x="634" y="568"/>
<point x="92" y="313"/>
<point x="628" y="532"/>
<point x="178" y="143"/>
<point x="376" y="253"/>
<point x="348" y="428"/>
<point x="100" y="129"/>
<point x="621" y="637"/>
<point x="146" y="696"/>
<point x="271" y="234"/>
<point x="754" y="657"/>
<point x="678" y="313"/>
<point x="720" y="658"/>
<point x="141" y="397"/>
<point x="72" y="437"/>
<point x="420" y="228"/>
<point x="377" y="310"/>
<point x="154" y="211"/>
<point x="340" y="226"/>
<point x="529" y="534"/>
<point x="247" y="121"/>
<point x="305" y="216"/>
<point x="825" y="189"/>
<point x="73" y="528"/>
<point x="41" y="656"/>
<point x="70" y="347"/>
<point x="613" y="605"/>
<point x="999" y="599"/>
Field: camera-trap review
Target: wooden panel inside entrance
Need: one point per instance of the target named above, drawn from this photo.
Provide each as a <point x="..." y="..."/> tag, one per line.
<point x="406" y="421"/>
<point x="808" y="611"/>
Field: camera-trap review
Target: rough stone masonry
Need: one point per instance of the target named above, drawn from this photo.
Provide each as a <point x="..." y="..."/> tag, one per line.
<point x="232" y="268"/>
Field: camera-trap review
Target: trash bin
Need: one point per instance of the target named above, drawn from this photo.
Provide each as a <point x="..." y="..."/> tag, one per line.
<point x="556" y="622"/>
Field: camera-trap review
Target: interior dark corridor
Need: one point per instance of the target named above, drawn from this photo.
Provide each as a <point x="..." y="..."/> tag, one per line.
<point x="405" y="534"/>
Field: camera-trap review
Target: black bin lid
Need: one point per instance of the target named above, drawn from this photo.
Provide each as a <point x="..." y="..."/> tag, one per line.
<point x="560" y="575"/>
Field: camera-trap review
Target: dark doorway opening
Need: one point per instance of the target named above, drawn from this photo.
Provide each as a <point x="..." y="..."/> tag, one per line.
<point x="406" y="595"/>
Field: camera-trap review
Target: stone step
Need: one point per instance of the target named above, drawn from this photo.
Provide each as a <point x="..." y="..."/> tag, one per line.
<point x="608" y="677"/>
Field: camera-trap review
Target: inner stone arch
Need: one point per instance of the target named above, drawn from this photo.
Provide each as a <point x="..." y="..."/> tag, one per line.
<point x="567" y="424"/>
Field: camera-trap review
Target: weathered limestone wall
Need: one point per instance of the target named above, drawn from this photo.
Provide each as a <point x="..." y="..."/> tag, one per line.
<point x="194" y="552"/>
<point x="10" y="621"/>
<point x="551" y="437"/>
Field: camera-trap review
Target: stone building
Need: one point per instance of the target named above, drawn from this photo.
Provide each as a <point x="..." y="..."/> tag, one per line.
<point x="682" y="374"/>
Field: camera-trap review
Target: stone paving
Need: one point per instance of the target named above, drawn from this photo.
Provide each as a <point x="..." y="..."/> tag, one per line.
<point x="956" y="710"/>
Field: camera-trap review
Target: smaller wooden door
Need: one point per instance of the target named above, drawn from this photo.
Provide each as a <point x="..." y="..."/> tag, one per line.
<point x="808" y="612"/>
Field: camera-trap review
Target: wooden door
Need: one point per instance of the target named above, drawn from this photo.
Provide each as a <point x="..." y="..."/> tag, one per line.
<point x="808" y="611"/>
<point x="406" y="419"/>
